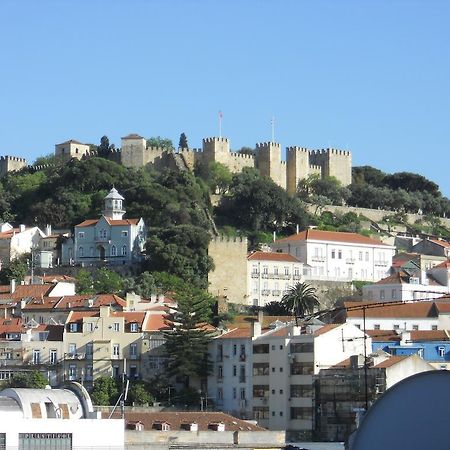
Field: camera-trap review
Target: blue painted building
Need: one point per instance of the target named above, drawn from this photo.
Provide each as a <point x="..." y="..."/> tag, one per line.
<point x="110" y="239"/>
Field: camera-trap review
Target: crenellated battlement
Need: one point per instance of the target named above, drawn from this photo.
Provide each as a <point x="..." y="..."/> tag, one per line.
<point x="261" y="145"/>
<point x="242" y="156"/>
<point x="13" y="158"/>
<point x="296" y="149"/>
<point x="222" y="238"/>
<point x="189" y="150"/>
<point x="215" y="139"/>
<point x="332" y="151"/>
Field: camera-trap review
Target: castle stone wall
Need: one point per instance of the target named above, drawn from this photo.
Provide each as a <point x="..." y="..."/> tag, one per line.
<point x="11" y="164"/>
<point x="268" y="157"/>
<point x="229" y="277"/>
<point x="133" y="148"/>
<point x="216" y="149"/>
<point x="334" y="163"/>
<point x="297" y="163"/>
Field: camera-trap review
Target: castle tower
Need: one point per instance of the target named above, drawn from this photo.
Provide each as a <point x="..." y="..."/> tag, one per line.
<point x="113" y="205"/>
<point x="11" y="164"/>
<point x="71" y="149"/>
<point x="334" y="163"/>
<point x="216" y="149"/>
<point x="297" y="162"/>
<point x="133" y="150"/>
<point x="268" y="156"/>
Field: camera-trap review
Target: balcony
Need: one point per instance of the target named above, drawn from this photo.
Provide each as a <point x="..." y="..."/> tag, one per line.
<point x="265" y="292"/>
<point x="74" y="355"/>
<point x="381" y="263"/>
<point x="265" y="275"/>
<point x="255" y="274"/>
<point x="297" y="277"/>
<point x="318" y="258"/>
<point x="276" y="293"/>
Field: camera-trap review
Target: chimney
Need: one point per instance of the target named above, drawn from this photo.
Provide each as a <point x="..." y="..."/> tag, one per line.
<point x="48" y="230"/>
<point x="12" y="286"/>
<point x="297" y="229"/>
<point x="21" y="228"/>
<point x="257" y="325"/>
<point x="356" y="361"/>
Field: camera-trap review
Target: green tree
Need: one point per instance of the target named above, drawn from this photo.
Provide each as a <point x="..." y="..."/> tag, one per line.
<point x="219" y="177"/>
<point x="17" y="269"/>
<point x="32" y="380"/>
<point x="181" y="251"/>
<point x="107" y="282"/>
<point x="105" y="391"/>
<point x="187" y="344"/>
<point x="139" y="394"/>
<point x="159" y="142"/>
<point x="104" y="149"/>
<point x="301" y="299"/>
<point x="84" y="283"/>
<point x="183" y="143"/>
<point x="49" y="159"/>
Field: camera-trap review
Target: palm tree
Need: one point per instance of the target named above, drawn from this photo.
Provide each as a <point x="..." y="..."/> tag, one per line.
<point x="299" y="300"/>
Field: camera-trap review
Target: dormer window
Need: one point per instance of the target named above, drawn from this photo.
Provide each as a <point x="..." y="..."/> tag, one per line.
<point x="134" y="328"/>
<point x="73" y="327"/>
<point x="81" y="234"/>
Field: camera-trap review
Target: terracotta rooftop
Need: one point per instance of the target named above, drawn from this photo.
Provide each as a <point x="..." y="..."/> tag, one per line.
<point x="440" y="242"/>
<point x="383" y="335"/>
<point x="429" y="335"/>
<point x="156" y="322"/>
<point x="271" y="256"/>
<point x="176" y="419"/>
<point x="333" y="236"/>
<point x="28" y="290"/>
<point x="396" y="310"/>
<point x="443" y="265"/>
<point x="390" y="362"/>
<point x="79" y="301"/>
<point x="71" y="141"/>
<point x="113" y="223"/>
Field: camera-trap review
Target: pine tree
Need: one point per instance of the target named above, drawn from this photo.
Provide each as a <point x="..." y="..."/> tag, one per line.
<point x="187" y="344"/>
<point x="183" y="141"/>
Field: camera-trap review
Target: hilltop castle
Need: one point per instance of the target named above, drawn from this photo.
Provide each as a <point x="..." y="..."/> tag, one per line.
<point x="300" y="162"/>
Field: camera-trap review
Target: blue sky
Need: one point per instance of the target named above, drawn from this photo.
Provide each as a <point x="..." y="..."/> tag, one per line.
<point x="369" y="76"/>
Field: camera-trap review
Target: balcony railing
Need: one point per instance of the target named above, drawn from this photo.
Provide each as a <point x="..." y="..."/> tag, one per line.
<point x="381" y="263"/>
<point x="265" y="292"/>
<point x="255" y="274"/>
<point x="318" y="258"/>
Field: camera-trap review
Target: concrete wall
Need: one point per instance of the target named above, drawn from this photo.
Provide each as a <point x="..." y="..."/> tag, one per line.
<point x="229" y="277"/>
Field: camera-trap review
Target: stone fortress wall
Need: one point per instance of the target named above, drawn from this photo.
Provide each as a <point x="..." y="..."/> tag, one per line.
<point x="300" y="162"/>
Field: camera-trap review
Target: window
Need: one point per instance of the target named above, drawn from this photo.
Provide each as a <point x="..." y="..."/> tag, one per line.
<point x="53" y="356"/>
<point x="265" y="270"/>
<point x="339" y="254"/>
<point x="260" y="412"/>
<point x="72" y="372"/>
<point x="124" y="233"/>
<point x="220" y="393"/>
<point x="102" y="234"/>
<point x="370" y="295"/>
<point x="134" y="328"/>
<point x="333" y="253"/>
<point x="81" y="234"/>
<point x="255" y="269"/>
<point x="360" y="256"/>
<point x="260" y="369"/>
<point x="89" y="372"/>
<point x="234" y="393"/>
<point x="281" y="413"/>
<point x="441" y="351"/>
<point x="302" y="347"/>
<point x="116" y="350"/>
<point x="382" y="294"/>
<point x="275" y="270"/>
<point x="80" y="252"/>
<point x="281" y="369"/>
<point x="376" y="326"/>
<point x="219" y="372"/>
<point x="396" y="326"/>
<point x="303" y="412"/>
<point x="394" y="294"/>
<point x="89" y="349"/>
<point x="133" y="351"/>
<point x="242" y="394"/>
<point x="367" y="256"/>
<point x="116" y="326"/>
<point x="261" y="348"/>
<point x="72" y="349"/>
<point x="89" y="327"/>
<point x="124" y="250"/>
<point x="301" y="390"/>
<point x="113" y="251"/>
<point x="234" y="371"/>
<point x="415" y="327"/>
<point x="302" y="368"/>
<point x="234" y="350"/>
<point x="36" y="356"/>
<point x="434" y="327"/>
<point x="286" y="271"/>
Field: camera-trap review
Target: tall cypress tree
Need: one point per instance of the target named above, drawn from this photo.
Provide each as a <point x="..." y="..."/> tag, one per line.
<point x="187" y="343"/>
<point x="183" y="141"/>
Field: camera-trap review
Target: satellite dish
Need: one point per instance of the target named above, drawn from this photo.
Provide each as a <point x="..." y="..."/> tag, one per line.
<point x="413" y="414"/>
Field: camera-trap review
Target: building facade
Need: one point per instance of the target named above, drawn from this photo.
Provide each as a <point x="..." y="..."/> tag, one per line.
<point x="338" y="256"/>
<point x="110" y="239"/>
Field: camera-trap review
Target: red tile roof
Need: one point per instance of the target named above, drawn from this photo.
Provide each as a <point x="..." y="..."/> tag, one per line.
<point x="156" y="322"/>
<point x="113" y="223"/>
<point x="176" y="419"/>
<point x="390" y="362"/>
<point x="79" y="301"/>
<point x="383" y="335"/>
<point x="334" y="236"/>
<point x="28" y="290"/>
<point x="271" y="256"/>
<point x="429" y="335"/>
<point x="443" y="265"/>
<point x="397" y="310"/>
<point x="440" y="242"/>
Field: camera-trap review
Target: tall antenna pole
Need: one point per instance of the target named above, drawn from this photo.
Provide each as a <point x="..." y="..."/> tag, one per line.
<point x="220" y="123"/>
<point x="272" y="123"/>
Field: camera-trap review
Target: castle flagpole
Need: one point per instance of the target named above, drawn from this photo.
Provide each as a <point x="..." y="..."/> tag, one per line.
<point x="220" y="123"/>
<point x="272" y="123"/>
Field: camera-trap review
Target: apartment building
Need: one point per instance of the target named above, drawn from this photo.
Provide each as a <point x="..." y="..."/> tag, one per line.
<point x="273" y="381"/>
<point x="270" y="275"/>
<point x="338" y="256"/>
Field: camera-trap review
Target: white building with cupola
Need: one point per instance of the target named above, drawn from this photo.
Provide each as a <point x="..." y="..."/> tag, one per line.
<point x="110" y="239"/>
